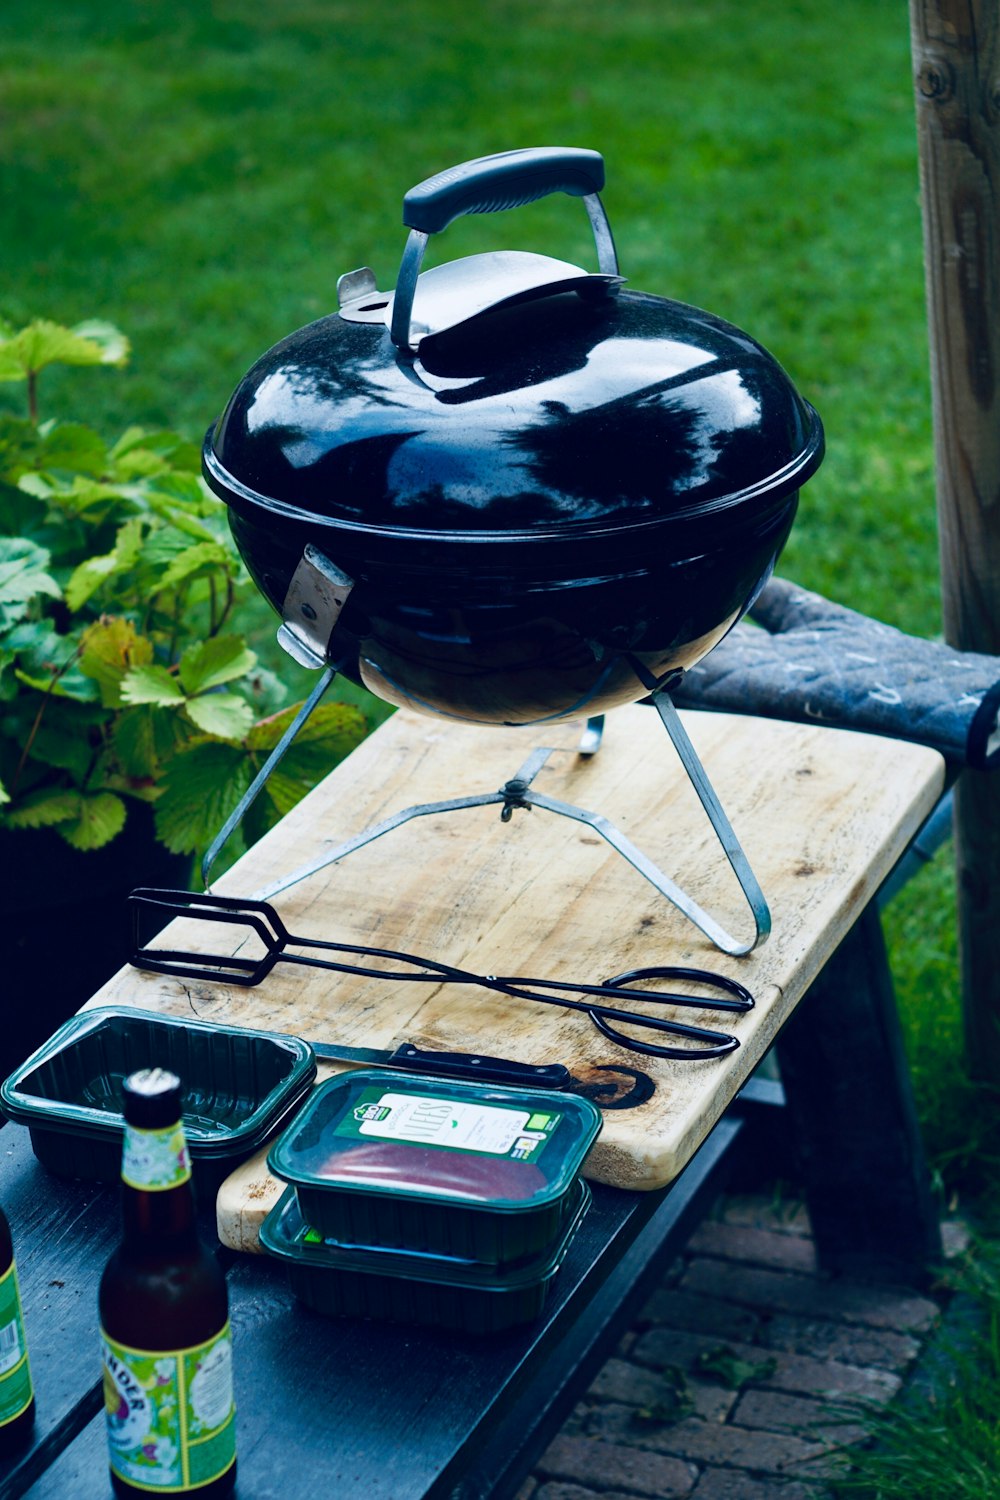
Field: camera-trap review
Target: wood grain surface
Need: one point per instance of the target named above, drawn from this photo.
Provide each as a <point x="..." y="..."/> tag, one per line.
<point x="822" y="815"/>
<point x="956" y="56"/>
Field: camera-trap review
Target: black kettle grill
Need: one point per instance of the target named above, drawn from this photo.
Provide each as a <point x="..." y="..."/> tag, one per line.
<point x="513" y="491"/>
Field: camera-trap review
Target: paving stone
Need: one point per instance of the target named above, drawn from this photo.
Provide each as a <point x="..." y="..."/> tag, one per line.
<point x="783" y="1215"/>
<point x="762" y="1247"/>
<point x="773" y="1411"/>
<point x="699" y="1314"/>
<point x="747" y="1283"/>
<point x="733" y="1484"/>
<point x="528" y="1490"/>
<point x="560" y="1491"/>
<point x="724" y="1444"/>
<point x="956" y="1237"/>
<point x="575" y="1424"/>
<point x="615" y="1423"/>
<point x="604" y="1465"/>
<point x="853" y="1301"/>
<point x="798" y="1374"/>
<point x="633" y="1386"/>
<point x="850" y="1343"/>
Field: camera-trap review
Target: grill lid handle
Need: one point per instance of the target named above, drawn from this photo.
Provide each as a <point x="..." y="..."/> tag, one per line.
<point x="491" y="184"/>
<point x="510" y="179"/>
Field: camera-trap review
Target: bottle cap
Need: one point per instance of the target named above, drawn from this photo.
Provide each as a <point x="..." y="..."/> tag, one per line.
<point x="152" y="1098"/>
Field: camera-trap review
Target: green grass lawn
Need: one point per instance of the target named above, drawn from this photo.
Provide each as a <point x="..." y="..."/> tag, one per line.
<point x="200" y="175"/>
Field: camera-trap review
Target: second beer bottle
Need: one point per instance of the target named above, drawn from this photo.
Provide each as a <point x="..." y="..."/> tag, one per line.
<point x="164" y="1316"/>
<point x="17" y="1401"/>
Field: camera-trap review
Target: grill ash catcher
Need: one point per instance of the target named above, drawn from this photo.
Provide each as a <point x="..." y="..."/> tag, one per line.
<point x="514" y="492"/>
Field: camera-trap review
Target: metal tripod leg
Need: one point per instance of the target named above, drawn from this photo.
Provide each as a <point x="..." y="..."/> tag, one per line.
<point x="517" y="793"/>
<point x="748" y="882"/>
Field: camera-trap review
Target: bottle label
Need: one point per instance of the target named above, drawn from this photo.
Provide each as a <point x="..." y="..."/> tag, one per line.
<point x="15" y="1376"/>
<point x="155" y="1160"/>
<point x="170" y="1414"/>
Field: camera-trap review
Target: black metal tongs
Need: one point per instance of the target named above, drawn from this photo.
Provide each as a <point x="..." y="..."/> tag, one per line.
<point x="261" y="920"/>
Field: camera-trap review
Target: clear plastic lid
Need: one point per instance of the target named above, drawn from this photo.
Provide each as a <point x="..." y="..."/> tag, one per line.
<point x="417" y="1137"/>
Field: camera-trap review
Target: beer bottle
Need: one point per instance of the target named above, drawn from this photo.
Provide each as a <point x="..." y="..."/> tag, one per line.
<point x="17" y="1401"/>
<point x="164" y="1316"/>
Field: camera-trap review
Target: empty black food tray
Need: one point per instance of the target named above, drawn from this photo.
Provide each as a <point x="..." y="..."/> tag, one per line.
<point x="239" y="1086"/>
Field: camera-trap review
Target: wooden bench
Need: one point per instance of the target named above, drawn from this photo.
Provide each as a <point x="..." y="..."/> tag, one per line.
<point x="390" y="1413"/>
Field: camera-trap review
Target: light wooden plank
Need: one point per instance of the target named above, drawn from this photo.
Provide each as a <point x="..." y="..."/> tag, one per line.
<point x="822" y="814"/>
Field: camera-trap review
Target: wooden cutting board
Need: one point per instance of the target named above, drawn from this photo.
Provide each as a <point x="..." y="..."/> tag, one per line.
<point x="822" y="814"/>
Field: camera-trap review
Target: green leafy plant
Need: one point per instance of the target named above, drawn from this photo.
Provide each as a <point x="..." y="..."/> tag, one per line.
<point x="725" y="1365"/>
<point x="674" y="1402"/>
<point x="940" y="1439"/>
<point x="123" y="678"/>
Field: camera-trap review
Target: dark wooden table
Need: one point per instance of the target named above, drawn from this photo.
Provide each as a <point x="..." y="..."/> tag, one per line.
<point x="378" y="1412"/>
<point x="363" y="1411"/>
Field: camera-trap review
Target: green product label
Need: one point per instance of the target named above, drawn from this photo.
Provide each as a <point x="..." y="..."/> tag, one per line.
<point x="15" y="1376"/>
<point x="170" y="1414"/>
<point x="155" y="1160"/>
<point x="426" y="1120"/>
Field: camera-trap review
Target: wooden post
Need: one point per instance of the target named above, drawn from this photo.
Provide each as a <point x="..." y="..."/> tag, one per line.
<point x="956" y="54"/>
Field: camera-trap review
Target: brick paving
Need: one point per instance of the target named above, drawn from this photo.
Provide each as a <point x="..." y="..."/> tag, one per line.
<point x="736" y="1381"/>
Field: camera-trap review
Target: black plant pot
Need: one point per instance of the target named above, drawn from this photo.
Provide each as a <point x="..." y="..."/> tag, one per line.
<point x="63" y="922"/>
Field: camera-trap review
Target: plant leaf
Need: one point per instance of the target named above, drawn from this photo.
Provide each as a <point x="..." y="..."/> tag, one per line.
<point x="284" y="792"/>
<point x="332" y="731"/>
<point x="730" y="1370"/>
<point x="19" y="445"/>
<point x="49" y="661"/>
<point x="201" y="787"/>
<point x="45" y="809"/>
<point x="111" y="648"/>
<point x="141" y="453"/>
<point x="62" y="744"/>
<point x="23" y="576"/>
<point x="102" y="816"/>
<point x="134" y="740"/>
<point x="112" y="343"/>
<point x="8" y="680"/>
<point x="152" y="684"/>
<point x="70" y="447"/>
<point x="20" y="514"/>
<point x="225" y="715"/>
<point x="265" y="691"/>
<point x="202" y="557"/>
<point x="44" y="343"/>
<point x="208" y="664"/>
<point x="95" y="571"/>
<point x="327" y="721"/>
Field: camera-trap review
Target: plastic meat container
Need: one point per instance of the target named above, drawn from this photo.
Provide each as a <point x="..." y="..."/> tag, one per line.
<point x="409" y="1162"/>
<point x="239" y="1087"/>
<point x="399" y="1286"/>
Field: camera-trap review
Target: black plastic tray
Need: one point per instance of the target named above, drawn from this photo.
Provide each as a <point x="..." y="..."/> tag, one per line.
<point x="239" y="1087"/>
<point x="459" y="1295"/>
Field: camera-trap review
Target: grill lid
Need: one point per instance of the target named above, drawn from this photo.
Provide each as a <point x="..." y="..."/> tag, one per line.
<point x="512" y="394"/>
